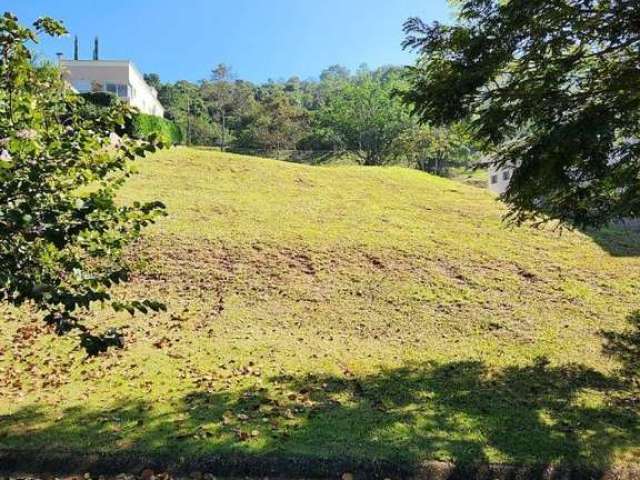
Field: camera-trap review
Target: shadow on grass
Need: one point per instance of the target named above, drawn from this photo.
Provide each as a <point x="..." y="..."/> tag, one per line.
<point x="625" y="347"/>
<point x="619" y="241"/>
<point x="384" y="424"/>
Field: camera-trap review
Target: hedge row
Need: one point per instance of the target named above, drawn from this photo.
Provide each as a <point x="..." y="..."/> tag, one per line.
<point x="141" y="125"/>
<point x="100" y="99"/>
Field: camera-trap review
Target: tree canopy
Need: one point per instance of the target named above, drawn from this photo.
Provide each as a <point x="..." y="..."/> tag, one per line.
<point x="365" y="116"/>
<point x="551" y="87"/>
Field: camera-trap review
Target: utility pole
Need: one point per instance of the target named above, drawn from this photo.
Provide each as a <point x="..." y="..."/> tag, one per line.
<point x="188" y="119"/>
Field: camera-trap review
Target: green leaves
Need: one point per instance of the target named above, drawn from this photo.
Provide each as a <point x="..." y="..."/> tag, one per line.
<point x="60" y="249"/>
<point x="50" y="26"/>
<point x="143" y="306"/>
<point x="551" y="88"/>
<point x="364" y="115"/>
<point x="154" y="129"/>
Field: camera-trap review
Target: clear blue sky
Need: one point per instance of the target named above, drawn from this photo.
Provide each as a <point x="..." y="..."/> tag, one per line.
<point x="260" y="39"/>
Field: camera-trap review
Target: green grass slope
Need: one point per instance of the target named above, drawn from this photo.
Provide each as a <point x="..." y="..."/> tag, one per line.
<point x="342" y="312"/>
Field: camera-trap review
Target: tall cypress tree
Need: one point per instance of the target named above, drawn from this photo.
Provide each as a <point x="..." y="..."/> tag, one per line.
<point x="95" y="49"/>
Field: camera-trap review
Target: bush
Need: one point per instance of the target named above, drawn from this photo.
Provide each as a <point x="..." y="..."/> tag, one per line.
<point x="96" y="105"/>
<point x="139" y="126"/>
<point x="62" y="232"/>
<point x="100" y="99"/>
<point x="143" y="125"/>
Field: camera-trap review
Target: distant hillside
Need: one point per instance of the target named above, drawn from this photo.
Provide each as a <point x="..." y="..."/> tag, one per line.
<point x="342" y="312"/>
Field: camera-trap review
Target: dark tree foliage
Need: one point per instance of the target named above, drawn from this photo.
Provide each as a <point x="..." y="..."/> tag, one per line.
<point x="62" y="233"/>
<point x="552" y="87"/>
<point x="365" y="117"/>
<point x="152" y="79"/>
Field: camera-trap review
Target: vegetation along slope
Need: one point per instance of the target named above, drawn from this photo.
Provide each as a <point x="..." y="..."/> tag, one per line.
<point x="342" y="311"/>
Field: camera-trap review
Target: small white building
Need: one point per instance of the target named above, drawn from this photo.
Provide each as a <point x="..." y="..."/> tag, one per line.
<point x="499" y="178"/>
<point x="120" y="77"/>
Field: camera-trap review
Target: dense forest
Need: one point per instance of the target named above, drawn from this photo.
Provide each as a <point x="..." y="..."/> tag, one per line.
<point x="357" y="115"/>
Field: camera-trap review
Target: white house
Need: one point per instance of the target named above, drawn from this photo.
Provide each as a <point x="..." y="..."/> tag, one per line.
<point x="499" y="178"/>
<point x="120" y="77"/>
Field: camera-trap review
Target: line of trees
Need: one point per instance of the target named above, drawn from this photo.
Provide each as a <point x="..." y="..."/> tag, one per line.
<point x="360" y="113"/>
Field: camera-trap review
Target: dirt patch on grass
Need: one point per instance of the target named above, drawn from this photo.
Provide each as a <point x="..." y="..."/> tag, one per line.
<point x="375" y="261"/>
<point x="299" y="260"/>
<point x="328" y="356"/>
<point x="489" y="295"/>
<point x="171" y="258"/>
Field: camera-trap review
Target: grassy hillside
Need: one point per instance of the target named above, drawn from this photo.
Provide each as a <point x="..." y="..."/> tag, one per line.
<point x="339" y="312"/>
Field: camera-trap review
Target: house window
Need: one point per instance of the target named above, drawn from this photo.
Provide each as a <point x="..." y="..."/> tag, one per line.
<point x="83" y="86"/>
<point x="117" y="89"/>
<point x="506" y="175"/>
<point x="494" y="179"/>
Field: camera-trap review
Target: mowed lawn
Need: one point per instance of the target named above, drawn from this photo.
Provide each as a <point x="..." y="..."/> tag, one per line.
<point x="342" y="312"/>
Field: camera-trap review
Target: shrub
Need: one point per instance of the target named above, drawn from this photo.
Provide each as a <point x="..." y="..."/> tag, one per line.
<point x="62" y="233"/>
<point x="96" y="104"/>
<point x="139" y="125"/>
<point x="143" y="125"/>
<point x="101" y="99"/>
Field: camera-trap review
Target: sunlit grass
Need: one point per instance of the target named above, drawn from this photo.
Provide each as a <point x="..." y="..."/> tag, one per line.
<point x="337" y="311"/>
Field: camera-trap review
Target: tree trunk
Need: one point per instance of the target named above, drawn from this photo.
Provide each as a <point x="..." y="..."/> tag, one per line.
<point x="222" y="136"/>
<point x="188" y="120"/>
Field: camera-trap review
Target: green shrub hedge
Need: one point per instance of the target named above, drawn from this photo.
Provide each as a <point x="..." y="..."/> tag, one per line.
<point x="100" y="99"/>
<point x="95" y="104"/>
<point x="143" y="125"/>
